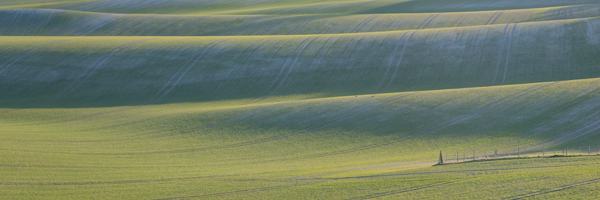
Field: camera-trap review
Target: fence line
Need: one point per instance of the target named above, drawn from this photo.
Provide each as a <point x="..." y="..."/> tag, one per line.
<point x="518" y="152"/>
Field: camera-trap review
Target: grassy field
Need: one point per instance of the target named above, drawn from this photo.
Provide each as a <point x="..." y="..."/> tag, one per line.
<point x="282" y="99"/>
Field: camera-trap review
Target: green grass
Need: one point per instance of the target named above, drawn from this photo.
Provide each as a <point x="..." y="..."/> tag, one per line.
<point x="307" y="99"/>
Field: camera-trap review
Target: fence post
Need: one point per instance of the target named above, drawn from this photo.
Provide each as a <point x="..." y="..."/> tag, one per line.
<point x="441" y="161"/>
<point x="464" y="156"/>
<point x="567" y="152"/>
<point x="495" y="153"/>
<point x="579" y="150"/>
<point x="543" y="151"/>
<point x="484" y="154"/>
<point x="473" y="154"/>
<point x="518" y="151"/>
<point x="589" y="149"/>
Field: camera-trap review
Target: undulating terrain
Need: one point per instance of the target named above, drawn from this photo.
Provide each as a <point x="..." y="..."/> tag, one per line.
<point x="299" y="99"/>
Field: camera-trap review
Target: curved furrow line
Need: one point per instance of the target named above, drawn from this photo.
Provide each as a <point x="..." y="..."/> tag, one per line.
<point x="44" y="23"/>
<point x="384" y="194"/>
<point x="508" y="53"/>
<point x="246" y="191"/>
<point x="419" y="27"/>
<point x="556" y="189"/>
<point x="441" y="126"/>
<point x="104" y="182"/>
<point x="244" y="25"/>
<point x="399" y="61"/>
<point x="138" y="21"/>
<point x="185" y="72"/>
<point x="429" y="21"/>
<point x="17" y="17"/>
<point x="281" y="71"/>
<point x="11" y="21"/>
<point x="290" y="70"/>
<point x="500" y="54"/>
<point x="572" y="135"/>
<point x="149" y="101"/>
<point x="390" y="63"/>
<point x="102" y="23"/>
<point x="490" y="19"/>
<point x="497" y="17"/>
<point x="176" y="73"/>
<point x="365" y="23"/>
<point x="301" y="25"/>
<point x="361" y="23"/>
<point x="18" y="57"/>
<point x="188" y="25"/>
<point x="77" y="83"/>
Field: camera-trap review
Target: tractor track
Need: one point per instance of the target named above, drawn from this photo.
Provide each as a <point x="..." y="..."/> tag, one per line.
<point x="500" y="54"/>
<point x="390" y="63"/>
<point x="508" y="53"/>
<point x="399" y="61"/>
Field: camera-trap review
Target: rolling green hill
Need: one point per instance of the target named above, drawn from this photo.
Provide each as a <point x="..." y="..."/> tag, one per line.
<point x="281" y="99"/>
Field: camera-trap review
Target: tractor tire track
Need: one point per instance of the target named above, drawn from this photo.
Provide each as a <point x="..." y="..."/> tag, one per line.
<point x="77" y="82"/>
<point x="556" y="189"/>
<point x="18" y="57"/>
<point x="281" y="71"/>
<point x="290" y="69"/>
<point x="508" y="53"/>
<point x="154" y="98"/>
<point x="244" y="25"/>
<point x="102" y="24"/>
<point x="138" y="21"/>
<point x="301" y="25"/>
<point x="500" y="54"/>
<point x="188" y="25"/>
<point x="390" y="64"/>
<point x="399" y="61"/>
<point x="11" y="28"/>
<point x="362" y="23"/>
<point x="246" y="191"/>
<point x="497" y="17"/>
<point x="40" y="29"/>
<point x="11" y="21"/>
<point x="384" y="194"/>
<point x="490" y="19"/>
<point x="429" y="21"/>
<point x="419" y="27"/>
